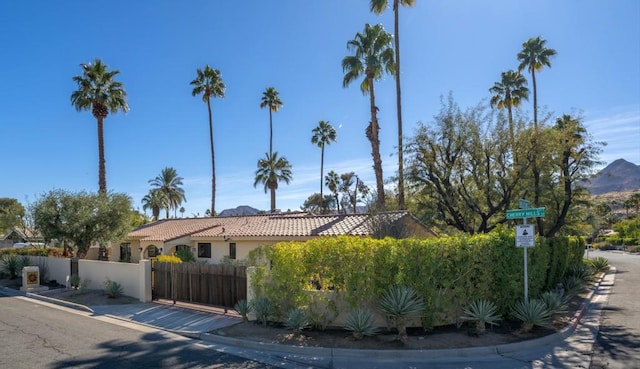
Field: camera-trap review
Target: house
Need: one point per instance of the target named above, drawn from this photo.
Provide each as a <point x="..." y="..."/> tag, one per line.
<point x="213" y="239"/>
<point x="21" y="235"/>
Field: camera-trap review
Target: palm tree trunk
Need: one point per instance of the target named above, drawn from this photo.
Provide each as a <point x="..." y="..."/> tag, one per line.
<point x="102" y="175"/>
<point x="401" y="204"/>
<point x="372" y="135"/>
<point x="512" y="138"/>
<point x="213" y="163"/>
<point x="270" y="134"/>
<point x="321" y="171"/>
<point x="535" y="167"/>
<point x="535" y="100"/>
<point x="273" y="200"/>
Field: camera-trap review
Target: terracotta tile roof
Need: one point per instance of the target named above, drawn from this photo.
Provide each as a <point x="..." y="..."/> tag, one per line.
<point x="271" y="225"/>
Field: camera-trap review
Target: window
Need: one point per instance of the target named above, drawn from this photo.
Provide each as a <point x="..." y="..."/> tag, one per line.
<point x="152" y="251"/>
<point x="125" y="252"/>
<point x="232" y="250"/>
<point x="204" y="250"/>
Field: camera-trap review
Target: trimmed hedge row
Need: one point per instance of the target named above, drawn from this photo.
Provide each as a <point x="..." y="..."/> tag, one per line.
<point x="448" y="272"/>
<point x="49" y="251"/>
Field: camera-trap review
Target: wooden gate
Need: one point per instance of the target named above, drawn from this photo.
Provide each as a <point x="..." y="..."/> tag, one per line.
<point x="219" y="285"/>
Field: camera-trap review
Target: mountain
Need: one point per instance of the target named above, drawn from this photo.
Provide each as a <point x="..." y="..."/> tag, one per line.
<point x="619" y="176"/>
<point x="240" y="210"/>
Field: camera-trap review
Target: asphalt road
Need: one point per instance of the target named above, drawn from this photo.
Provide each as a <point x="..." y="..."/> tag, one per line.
<point x="618" y="342"/>
<point x="36" y="335"/>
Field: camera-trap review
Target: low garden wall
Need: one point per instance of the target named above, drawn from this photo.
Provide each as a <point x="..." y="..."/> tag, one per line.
<point x="134" y="278"/>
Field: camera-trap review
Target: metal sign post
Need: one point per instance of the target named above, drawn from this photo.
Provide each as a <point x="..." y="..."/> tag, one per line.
<point x="525" y="234"/>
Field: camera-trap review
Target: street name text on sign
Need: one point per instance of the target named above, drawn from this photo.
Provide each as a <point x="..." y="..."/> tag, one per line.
<point x="525" y="213"/>
<point x="525" y="235"/>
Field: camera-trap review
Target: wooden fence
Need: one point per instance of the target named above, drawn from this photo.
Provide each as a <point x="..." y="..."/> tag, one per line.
<point x="218" y="285"/>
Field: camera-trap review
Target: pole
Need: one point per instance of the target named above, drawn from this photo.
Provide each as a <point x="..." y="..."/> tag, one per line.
<point x="526" y="277"/>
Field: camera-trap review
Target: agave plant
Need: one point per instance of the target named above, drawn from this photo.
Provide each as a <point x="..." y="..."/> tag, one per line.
<point x="243" y="308"/>
<point x="399" y="303"/>
<point x="11" y="264"/>
<point x="573" y="285"/>
<point x="296" y="320"/>
<point x="113" y="289"/>
<point x="360" y="323"/>
<point x="263" y="308"/>
<point x="556" y="302"/>
<point x="599" y="264"/>
<point x="481" y="312"/>
<point x="532" y="313"/>
<point x="582" y="271"/>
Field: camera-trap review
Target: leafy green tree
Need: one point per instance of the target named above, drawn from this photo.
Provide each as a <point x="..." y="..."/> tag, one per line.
<point x="318" y="205"/>
<point x="271" y="99"/>
<point x="208" y="83"/>
<point x="634" y="199"/>
<point x="154" y="201"/>
<point x="169" y="183"/>
<point x="82" y="219"/>
<point x="378" y="7"/>
<point x="323" y="135"/>
<point x="508" y="93"/>
<point x="11" y="213"/>
<point x="99" y="92"/>
<point x="372" y="57"/>
<point x="460" y="166"/>
<point x="272" y="170"/>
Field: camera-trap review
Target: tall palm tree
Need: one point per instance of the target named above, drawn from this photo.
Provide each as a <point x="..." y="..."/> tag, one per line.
<point x="154" y="201"/>
<point x="534" y="56"/>
<point x="508" y="93"/>
<point x="378" y="7"/>
<point x="272" y="170"/>
<point x="99" y="92"/>
<point x="168" y="182"/>
<point x="208" y="83"/>
<point x="271" y="99"/>
<point x="372" y="57"/>
<point x="323" y="135"/>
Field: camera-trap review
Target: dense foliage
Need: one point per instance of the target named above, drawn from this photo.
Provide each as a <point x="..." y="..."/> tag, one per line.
<point x="11" y="213"/>
<point x="448" y="272"/>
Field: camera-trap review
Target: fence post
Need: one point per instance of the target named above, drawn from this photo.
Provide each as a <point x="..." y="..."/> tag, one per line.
<point x="145" y="280"/>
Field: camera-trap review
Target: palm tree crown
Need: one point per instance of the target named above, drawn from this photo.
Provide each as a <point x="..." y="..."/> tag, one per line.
<point x="534" y="56"/>
<point x="271" y="99"/>
<point x="508" y="93"/>
<point x="272" y="170"/>
<point x="208" y="83"/>
<point x="372" y="57"/>
<point x="168" y="182"/>
<point x="100" y="92"/>
<point x="323" y="135"/>
<point x="154" y="201"/>
<point x="378" y="7"/>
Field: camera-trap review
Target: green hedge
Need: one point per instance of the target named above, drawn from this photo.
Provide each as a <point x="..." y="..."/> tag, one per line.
<point x="448" y="272"/>
<point x="49" y="251"/>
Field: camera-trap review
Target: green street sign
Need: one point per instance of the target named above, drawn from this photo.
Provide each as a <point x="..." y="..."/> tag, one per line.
<point x="525" y="213"/>
<point x="524" y="204"/>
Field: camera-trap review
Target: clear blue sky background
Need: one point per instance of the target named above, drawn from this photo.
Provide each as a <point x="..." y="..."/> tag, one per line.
<point x="295" y="46"/>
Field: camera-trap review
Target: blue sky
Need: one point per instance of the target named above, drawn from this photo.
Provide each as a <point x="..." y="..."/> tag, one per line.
<point x="460" y="46"/>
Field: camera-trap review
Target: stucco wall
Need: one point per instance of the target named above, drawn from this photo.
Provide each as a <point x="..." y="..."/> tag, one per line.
<point x="131" y="276"/>
<point x="56" y="268"/>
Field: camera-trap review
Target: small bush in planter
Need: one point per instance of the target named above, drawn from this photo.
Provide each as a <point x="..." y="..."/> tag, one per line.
<point x="360" y="323"/>
<point x="296" y="320"/>
<point x="113" y="289"/>
<point x="482" y="312"/>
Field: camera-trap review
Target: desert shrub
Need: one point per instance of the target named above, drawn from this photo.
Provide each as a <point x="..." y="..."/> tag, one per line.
<point x="12" y="264"/>
<point x="169" y="259"/>
<point x="482" y="312"/>
<point x="531" y="313"/>
<point x="581" y="271"/>
<point x="400" y="303"/>
<point x="83" y="286"/>
<point x="296" y="320"/>
<point x="185" y="255"/>
<point x="556" y="302"/>
<point x="113" y="289"/>
<point x="263" y="308"/>
<point x="74" y="281"/>
<point x="573" y="285"/>
<point x="599" y="264"/>
<point x="321" y="309"/>
<point x="243" y="308"/>
<point x="361" y="323"/>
